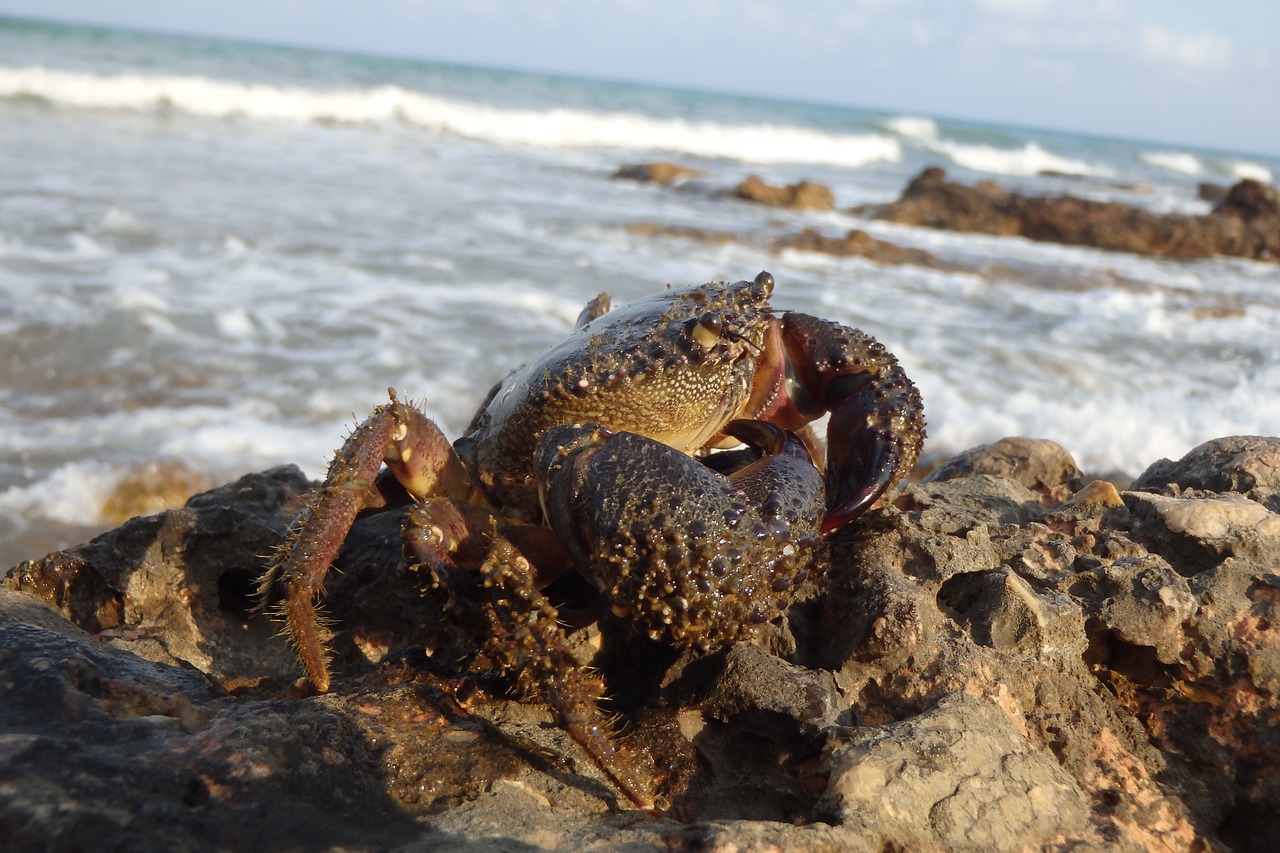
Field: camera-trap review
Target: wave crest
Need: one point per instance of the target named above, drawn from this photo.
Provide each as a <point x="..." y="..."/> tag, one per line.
<point x="547" y="128"/>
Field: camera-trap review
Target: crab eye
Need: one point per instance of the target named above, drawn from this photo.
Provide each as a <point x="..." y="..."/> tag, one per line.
<point x="706" y="331"/>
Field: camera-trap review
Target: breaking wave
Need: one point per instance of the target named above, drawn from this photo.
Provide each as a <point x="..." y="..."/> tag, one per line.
<point x="548" y="128"/>
<point x="1030" y="159"/>
<point x="1189" y="164"/>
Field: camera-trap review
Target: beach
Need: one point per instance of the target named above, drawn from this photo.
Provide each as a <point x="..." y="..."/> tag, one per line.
<point x="215" y="257"/>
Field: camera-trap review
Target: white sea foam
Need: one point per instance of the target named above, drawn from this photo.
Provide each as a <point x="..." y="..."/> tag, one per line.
<point x="73" y="493"/>
<point x="1241" y="169"/>
<point x="1189" y="164"/>
<point x="549" y="128"/>
<point x="1176" y="161"/>
<point x="1030" y="159"/>
<point x="913" y="127"/>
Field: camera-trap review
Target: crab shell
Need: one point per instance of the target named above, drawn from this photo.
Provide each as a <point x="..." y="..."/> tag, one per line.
<point x="674" y="367"/>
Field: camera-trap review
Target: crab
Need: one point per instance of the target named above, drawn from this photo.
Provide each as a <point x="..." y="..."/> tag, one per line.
<point x="600" y="456"/>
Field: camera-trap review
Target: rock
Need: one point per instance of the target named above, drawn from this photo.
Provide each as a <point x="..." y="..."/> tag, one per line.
<point x="860" y="244"/>
<point x="960" y="776"/>
<point x="174" y="587"/>
<point x="1250" y="200"/>
<point x="1142" y="601"/>
<point x="804" y="195"/>
<point x="1038" y="464"/>
<point x="1205" y="531"/>
<point x="683" y="232"/>
<point x="1211" y="192"/>
<point x="658" y="172"/>
<point x="855" y="243"/>
<point x="1247" y="464"/>
<point x="1245" y="224"/>
<point x="150" y="488"/>
<point x="992" y="661"/>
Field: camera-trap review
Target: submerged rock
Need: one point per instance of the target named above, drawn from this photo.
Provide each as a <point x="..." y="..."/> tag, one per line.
<point x="657" y="172"/>
<point x="858" y="243"/>
<point x="1002" y="658"/>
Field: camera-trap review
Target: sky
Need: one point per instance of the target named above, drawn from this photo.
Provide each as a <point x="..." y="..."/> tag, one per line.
<point x="1186" y="72"/>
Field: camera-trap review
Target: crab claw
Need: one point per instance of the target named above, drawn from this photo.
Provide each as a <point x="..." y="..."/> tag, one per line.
<point x="872" y="452"/>
<point x="877" y="418"/>
<point x="693" y="555"/>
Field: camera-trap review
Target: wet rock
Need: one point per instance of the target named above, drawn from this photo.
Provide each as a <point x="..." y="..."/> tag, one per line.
<point x="992" y="661"/>
<point x="1211" y="192"/>
<point x="1250" y="200"/>
<point x="858" y="243"/>
<point x="803" y="195"/>
<point x="683" y="232"/>
<point x="1245" y="224"/>
<point x="657" y="172"/>
<point x="855" y="243"/>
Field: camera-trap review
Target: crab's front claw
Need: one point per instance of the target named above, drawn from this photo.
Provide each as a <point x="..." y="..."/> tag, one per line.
<point x="692" y="555"/>
<point x="871" y="445"/>
<point x="877" y="421"/>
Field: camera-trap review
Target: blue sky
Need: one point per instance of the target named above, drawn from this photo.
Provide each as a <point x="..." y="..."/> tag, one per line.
<point x="1184" y="72"/>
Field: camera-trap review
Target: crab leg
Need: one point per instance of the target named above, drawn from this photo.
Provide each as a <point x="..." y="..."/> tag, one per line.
<point x="418" y="455"/>
<point x="530" y="643"/>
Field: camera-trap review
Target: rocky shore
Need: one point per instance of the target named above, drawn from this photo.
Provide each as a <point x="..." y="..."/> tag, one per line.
<point x="1244" y="222"/>
<point x="1003" y="657"/>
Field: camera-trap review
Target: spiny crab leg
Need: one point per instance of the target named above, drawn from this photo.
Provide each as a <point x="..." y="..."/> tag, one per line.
<point x="422" y="460"/>
<point x="528" y="640"/>
<point x="470" y="554"/>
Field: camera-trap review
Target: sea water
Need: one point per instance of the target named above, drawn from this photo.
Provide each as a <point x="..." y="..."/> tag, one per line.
<point x="222" y="254"/>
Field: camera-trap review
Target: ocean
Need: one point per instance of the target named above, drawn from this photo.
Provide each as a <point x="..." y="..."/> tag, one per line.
<point x="217" y="256"/>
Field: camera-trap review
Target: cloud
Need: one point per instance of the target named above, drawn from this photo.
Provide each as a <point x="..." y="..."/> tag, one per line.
<point x="1016" y="8"/>
<point x="1198" y="52"/>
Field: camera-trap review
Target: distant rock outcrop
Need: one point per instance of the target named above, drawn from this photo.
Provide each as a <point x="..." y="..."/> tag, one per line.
<point x="803" y="195"/>
<point x="1246" y="223"/>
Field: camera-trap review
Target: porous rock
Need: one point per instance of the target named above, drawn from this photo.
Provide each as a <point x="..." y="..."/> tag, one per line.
<point x="1038" y="464"/>
<point x="989" y="663"/>
<point x="966" y="766"/>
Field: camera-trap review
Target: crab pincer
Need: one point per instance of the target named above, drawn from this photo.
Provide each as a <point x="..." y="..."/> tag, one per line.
<point x="877" y="424"/>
